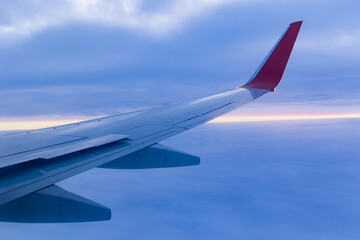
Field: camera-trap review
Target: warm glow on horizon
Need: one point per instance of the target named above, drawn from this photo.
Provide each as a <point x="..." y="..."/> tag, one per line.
<point x="34" y="124"/>
<point x="229" y="119"/>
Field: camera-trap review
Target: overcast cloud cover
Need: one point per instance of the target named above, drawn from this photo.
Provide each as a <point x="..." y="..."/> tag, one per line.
<point x="92" y="57"/>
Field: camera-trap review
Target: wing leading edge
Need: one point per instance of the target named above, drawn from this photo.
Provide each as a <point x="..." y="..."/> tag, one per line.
<point x="126" y="141"/>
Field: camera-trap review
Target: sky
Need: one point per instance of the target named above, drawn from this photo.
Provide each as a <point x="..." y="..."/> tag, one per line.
<point x="79" y="59"/>
<point x="68" y="60"/>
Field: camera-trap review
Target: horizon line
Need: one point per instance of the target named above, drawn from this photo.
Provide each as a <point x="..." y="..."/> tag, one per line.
<point x="295" y="117"/>
<point x="38" y="124"/>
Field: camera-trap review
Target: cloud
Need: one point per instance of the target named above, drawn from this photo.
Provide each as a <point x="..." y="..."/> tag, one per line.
<point x="23" y="18"/>
<point x="308" y="103"/>
<point x="343" y="42"/>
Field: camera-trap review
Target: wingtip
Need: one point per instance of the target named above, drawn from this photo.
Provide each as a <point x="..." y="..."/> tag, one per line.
<point x="270" y="72"/>
<point x="296" y="23"/>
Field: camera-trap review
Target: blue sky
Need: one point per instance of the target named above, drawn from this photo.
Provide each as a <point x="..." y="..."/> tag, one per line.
<point x="134" y="54"/>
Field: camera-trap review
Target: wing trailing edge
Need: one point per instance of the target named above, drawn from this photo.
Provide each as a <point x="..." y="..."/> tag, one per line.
<point x="270" y="72"/>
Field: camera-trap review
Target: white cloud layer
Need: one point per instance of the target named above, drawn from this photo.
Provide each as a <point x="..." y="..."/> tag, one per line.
<point x="343" y="41"/>
<point x="23" y="18"/>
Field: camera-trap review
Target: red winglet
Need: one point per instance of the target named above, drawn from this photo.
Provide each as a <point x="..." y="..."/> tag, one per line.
<point x="270" y="72"/>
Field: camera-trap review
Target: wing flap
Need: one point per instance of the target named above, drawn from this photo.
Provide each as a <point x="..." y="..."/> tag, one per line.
<point x="78" y="146"/>
<point x="48" y="152"/>
<point x="24" y="142"/>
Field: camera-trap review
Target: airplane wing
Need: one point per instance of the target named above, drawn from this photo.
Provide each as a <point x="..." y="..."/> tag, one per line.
<point x="31" y="162"/>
